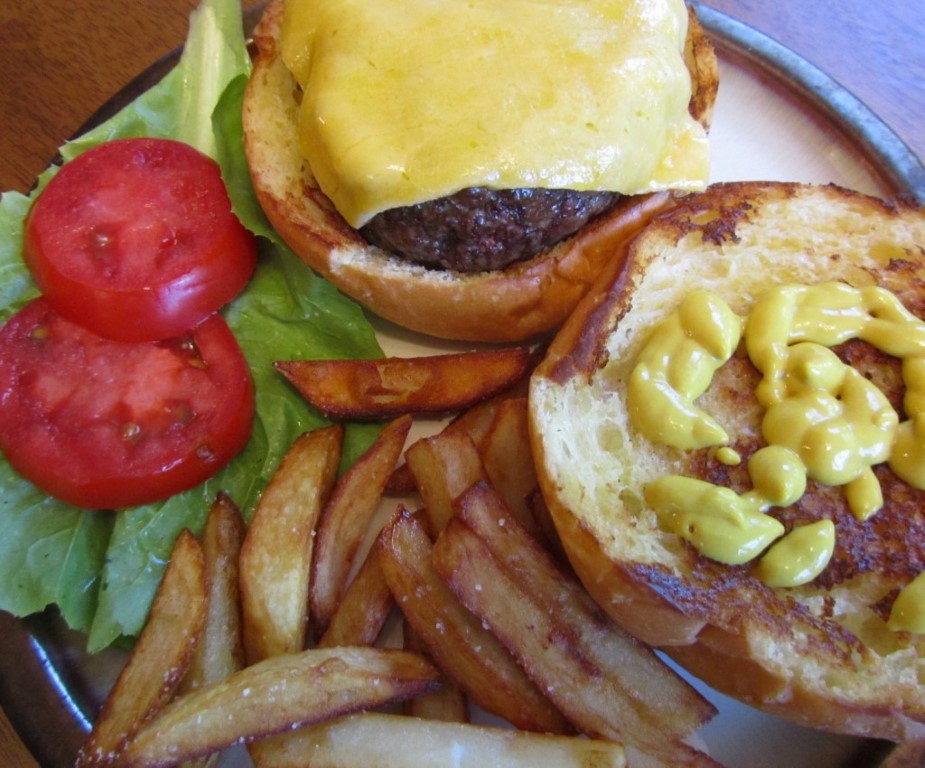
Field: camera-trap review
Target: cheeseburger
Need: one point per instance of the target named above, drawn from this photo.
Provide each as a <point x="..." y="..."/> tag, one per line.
<point x="464" y="169"/>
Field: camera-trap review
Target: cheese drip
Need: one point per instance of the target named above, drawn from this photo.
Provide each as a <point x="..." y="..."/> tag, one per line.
<point x="410" y="100"/>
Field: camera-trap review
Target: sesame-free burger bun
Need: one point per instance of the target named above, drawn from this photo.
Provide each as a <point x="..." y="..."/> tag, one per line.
<point x="520" y="302"/>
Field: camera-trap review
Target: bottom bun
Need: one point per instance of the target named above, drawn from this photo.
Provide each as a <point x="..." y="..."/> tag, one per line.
<point x="518" y="303"/>
<point x="818" y="654"/>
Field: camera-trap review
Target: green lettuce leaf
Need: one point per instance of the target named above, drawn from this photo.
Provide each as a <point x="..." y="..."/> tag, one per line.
<point x="49" y="553"/>
<point x="180" y="106"/>
<point x="229" y="151"/>
<point x="102" y="568"/>
<point x="16" y="286"/>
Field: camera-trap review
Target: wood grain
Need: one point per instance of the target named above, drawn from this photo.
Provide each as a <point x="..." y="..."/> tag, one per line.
<point x="13" y="753"/>
<point x="62" y="59"/>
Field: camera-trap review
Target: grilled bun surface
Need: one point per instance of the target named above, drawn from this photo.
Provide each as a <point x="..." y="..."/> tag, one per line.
<point x="820" y="653"/>
<point x="521" y="301"/>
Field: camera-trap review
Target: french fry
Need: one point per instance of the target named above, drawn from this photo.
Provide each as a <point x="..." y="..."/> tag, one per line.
<point x="160" y="657"/>
<point x="456" y="640"/>
<point x="443" y="467"/>
<point x="606" y="682"/>
<point x="345" y="519"/>
<point x="474" y="421"/>
<point x="364" y="609"/>
<point x="400" y="482"/>
<point x="477" y="420"/>
<point x="388" y="387"/>
<point x="448" y="703"/>
<point x="220" y="652"/>
<point x="276" y="556"/>
<point x="375" y="740"/>
<point x="616" y="651"/>
<point x="275" y="695"/>
<point x="508" y="460"/>
<point x="539" y="511"/>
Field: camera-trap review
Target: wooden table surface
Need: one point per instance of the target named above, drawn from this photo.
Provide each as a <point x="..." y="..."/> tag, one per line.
<point x="61" y="59"/>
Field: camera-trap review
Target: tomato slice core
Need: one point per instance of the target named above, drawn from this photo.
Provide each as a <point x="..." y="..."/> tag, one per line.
<point x="135" y="239"/>
<point x="106" y="424"/>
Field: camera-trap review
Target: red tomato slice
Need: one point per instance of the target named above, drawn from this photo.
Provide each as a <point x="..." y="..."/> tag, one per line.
<point x="107" y="424"/>
<point x="135" y="239"/>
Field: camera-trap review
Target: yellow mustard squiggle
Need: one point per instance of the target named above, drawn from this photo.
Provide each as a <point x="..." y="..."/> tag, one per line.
<point x="823" y="420"/>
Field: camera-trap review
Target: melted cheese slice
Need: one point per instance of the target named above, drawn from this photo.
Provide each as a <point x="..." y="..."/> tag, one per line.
<point x="409" y="100"/>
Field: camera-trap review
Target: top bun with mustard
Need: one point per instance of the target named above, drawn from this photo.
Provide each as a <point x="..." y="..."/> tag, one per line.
<point x="465" y="169"/>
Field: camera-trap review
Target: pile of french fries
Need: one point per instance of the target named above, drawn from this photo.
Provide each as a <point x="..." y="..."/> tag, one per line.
<point x="284" y="635"/>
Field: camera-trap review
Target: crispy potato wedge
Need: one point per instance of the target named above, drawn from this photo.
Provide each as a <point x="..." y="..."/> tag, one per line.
<point x="221" y="651"/>
<point x="275" y="695"/>
<point x="276" y="556"/>
<point x="388" y="387"/>
<point x="160" y="657"/>
<point x="345" y="520"/>
<point x="375" y="740"/>
<point x="456" y="640"/>
<point x="443" y="467"/>
<point x="364" y="609"/>
<point x="605" y="681"/>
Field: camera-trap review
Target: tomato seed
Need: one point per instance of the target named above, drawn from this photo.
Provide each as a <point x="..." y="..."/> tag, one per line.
<point x="204" y="453"/>
<point x="169" y="239"/>
<point x="40" y="333"/>
<point x="101" y="249"/>
<point x="181" y="413"/>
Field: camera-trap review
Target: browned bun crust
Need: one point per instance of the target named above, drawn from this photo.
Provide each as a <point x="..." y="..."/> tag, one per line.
<point x="518" y="303"/>
<point x="820" y="654"/>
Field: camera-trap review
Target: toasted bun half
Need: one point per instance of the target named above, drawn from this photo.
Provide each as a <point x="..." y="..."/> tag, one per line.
<point x="521" y="302"/>
<point x="819" y="654"/>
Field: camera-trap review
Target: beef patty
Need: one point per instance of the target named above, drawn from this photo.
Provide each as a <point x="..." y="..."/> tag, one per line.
<point x="480" y="229"/>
